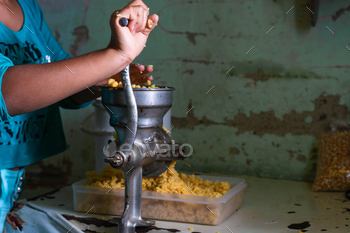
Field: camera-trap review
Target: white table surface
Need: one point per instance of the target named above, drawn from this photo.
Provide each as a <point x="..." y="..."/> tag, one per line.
<point x="265" y="210"/>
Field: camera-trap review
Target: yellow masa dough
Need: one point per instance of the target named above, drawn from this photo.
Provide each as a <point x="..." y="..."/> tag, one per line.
<point x="168" y="182"/>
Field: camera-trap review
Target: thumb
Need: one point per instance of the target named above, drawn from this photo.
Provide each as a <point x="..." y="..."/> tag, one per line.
<point x="151" y="23"/>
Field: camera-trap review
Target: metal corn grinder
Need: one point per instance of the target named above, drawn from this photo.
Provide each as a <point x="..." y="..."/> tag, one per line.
<point x="145" y="149"/>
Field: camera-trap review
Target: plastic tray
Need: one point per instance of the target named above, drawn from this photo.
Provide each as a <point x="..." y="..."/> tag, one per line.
<point x="164" y="206"/>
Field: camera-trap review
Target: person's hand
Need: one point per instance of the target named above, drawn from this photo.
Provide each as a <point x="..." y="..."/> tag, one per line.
<point x="131" y="40"/>
<point x="138" y="74"/>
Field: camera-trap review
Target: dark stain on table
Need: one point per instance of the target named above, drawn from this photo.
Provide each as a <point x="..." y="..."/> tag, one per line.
<point x="104" y="223"/>
<point x="291" y="212"/>
<point x="89" y="221"/>
<point x="299" y="226"/>
<point x="46" y="195"/>
<point x="147" y="229"/>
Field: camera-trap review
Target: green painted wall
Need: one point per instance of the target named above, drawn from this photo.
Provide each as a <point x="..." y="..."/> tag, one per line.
<point x="264" y="116"/>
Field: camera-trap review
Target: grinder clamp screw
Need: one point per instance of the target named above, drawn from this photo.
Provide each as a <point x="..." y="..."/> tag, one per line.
<point x="118" y="160"/>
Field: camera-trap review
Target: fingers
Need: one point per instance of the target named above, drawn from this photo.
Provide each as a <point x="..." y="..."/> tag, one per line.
<point x="137" y="16"/>
<point x="138" y="73"/>
<point x="138" y="2"/>
<point x="114" y="22"/>
<point x="137" y="19"/>
<point x="150" y="78"/>
<point x="142" y="80"/>
<point x="149" y="69"/>
<point x="152" y="22"/>
<point x="140" y="69"/>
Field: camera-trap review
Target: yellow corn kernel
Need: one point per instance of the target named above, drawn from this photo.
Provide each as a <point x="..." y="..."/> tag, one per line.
<point x="120" y="84"/>
<point x="148" y="82"/>
<point x="114" y="84"/>
<point x="138" y="86"/>
<point x="149" y="23"/>
<point x="153" y="86"/>
<point x="144" y="87"/>
<point x="191" y="228"/>
<point x="133" y="86"/>
<point x="150" y="66"/>
<point x="110" y="81"/>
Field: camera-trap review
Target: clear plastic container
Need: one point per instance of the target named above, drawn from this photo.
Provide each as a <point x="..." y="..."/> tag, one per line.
<point x="164" y="206"/>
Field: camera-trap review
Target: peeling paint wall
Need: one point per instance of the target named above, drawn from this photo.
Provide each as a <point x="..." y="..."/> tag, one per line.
<point x="263" y="117"/>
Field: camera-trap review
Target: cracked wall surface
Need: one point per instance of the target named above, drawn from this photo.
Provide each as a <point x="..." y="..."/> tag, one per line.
<point x="262" y="117"/>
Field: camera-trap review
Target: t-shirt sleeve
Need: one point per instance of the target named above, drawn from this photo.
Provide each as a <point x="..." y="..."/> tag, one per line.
<point x="57" y="53"/>
<point x="5" y="63"/>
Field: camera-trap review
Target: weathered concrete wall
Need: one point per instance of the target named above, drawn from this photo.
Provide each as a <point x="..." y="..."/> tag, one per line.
<point x="263" y="117"/>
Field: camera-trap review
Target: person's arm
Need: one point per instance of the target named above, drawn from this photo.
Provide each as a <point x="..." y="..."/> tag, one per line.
<point x="26" y="88"/>
<point x="81" y="99"/>
<point x="137" y="75"/>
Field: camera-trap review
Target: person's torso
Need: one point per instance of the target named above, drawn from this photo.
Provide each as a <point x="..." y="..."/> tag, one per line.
<point x="28" y="45"/>
<point x="28" y="137"/>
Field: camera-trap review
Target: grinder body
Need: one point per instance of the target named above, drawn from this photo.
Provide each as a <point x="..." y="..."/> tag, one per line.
<point x="145" y="148"/>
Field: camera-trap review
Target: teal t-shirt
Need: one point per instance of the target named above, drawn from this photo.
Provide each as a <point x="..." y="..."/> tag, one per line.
<point x="27" y="138"/>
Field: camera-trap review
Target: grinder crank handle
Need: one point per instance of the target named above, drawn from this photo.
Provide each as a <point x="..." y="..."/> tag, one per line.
<point x="131" y="128"/>
<point x="124" y="22"/>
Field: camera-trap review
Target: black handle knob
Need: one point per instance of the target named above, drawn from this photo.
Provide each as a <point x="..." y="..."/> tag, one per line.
<point x="124" y="22"/>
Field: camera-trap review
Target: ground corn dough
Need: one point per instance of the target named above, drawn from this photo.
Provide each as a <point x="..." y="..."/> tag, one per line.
<point x="170" y="210"/>
<point x="168" y="182"/>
